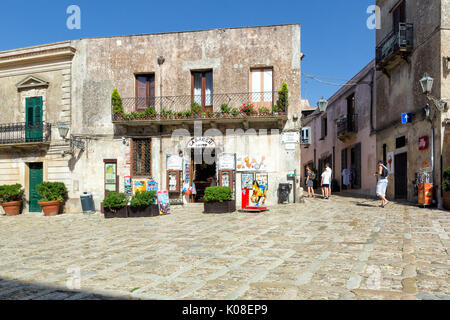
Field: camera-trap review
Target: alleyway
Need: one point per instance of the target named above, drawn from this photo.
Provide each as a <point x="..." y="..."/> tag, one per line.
<point x="343" y="248"/>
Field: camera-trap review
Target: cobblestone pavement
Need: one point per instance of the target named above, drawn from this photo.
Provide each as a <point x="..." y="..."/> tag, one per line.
<point x="343" y="248"/>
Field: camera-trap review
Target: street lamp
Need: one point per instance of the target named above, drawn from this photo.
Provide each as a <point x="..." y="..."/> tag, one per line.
<point x="63" y="130"/>
<point x="427" y="85"/>
<point x="323" y="104"/>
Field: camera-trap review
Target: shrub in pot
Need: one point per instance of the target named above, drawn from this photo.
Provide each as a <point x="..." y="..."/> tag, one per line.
<point x="446" y="188"/>
<point x="218" y="200"/>
<point x="143" y="204"/>
<point x="11" y="199"/>
<point x="52" y="194"/>
<point x="115" y="205"/>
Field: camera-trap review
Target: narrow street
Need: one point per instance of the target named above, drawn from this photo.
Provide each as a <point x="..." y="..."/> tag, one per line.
<point x="342" y="248"/>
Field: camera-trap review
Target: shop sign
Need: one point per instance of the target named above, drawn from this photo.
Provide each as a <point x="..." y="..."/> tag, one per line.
<point x="290" y="137"/>
<point x="174" y="162"/>
<point x="248" y="163"/>
<point x="226" y="162"/>
<point x="201" y="142"/>
<point x="423" y="143"/>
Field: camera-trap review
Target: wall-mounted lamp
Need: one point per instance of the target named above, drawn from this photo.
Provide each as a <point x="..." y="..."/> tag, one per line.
<point x="63" y="130"/>
<point x="161" y="60"/>
<point x="323" y="104"/>
<point x="295" y="117"/>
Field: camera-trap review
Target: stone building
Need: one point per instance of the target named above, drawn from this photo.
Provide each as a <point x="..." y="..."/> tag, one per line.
<point x="343" y="135"/>
<point x="148" y="132"/>
<point x="413" y="41"/>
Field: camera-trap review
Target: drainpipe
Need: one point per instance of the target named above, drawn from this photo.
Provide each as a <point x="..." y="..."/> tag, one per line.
<point x="372" y="128"/>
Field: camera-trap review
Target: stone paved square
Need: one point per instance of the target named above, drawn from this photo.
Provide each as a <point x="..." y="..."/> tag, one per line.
<point x="314" y="250"/>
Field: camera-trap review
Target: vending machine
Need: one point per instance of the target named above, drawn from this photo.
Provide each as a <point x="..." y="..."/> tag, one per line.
<point x="254" y="191"/>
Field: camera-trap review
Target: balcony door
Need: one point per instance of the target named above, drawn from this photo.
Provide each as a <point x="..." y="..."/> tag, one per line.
<point x="33" y="125"/>
<point x="202" y="89"/>
<point x="145" y="91"/>
<point x="261" y="87"/>
<point x="35" y="178"/>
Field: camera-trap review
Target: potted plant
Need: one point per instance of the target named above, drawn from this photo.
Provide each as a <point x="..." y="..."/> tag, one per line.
<point x="283" y="98"/>
<point x="275" y="109"/>
<point x="115" y="205"/>
<point x="446" y="188"/>
<point x="196" y="109"/>
<point x="248" y="109"/>
<point x="142" y="204"/>
<point x="218" y="200"/>
<point x="235" y="112"/>
<point x="52" y="194"/>
<point x="11" y="199"/>
<point x="209" y="113"/>
<point x="225" y="110"/>
<point x="263" y="111"/>
<point x="203" y="114"/>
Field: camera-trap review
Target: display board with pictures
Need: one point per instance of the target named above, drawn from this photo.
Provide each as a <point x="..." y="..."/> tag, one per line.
<point x="163" y="202"/>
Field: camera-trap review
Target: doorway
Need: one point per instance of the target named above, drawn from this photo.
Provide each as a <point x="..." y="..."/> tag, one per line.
<point x="34" y="128"/>
<point x="203" y="175"/>
<point x="401" y="176"/>
<point x="35" y="178"/>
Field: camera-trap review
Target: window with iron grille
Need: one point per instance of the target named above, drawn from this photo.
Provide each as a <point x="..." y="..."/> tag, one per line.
<point x="142" y="157"/>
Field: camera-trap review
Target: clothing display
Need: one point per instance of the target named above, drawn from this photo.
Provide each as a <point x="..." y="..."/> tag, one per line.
<point x="346" y="175"/>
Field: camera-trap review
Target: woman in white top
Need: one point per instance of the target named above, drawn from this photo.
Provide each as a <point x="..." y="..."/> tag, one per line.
<point x="325" y="183"/>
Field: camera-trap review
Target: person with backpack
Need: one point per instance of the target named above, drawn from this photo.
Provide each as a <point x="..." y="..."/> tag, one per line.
<point x="382" y="173"/>
<point x="310" y="177"/>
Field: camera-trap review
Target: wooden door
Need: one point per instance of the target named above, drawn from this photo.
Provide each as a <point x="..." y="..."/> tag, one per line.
<point x="35" y="178"/>
<point x="145" y="91"/>
<point x="401" y="175"/>
<point x="261" y="87"/>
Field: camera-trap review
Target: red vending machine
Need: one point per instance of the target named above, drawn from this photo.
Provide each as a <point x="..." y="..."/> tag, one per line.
<point x="254" y="190"/>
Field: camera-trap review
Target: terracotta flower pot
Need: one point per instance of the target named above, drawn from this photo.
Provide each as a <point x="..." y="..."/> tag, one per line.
<point x="12" y="208"/>
<point x="50" y="208"/>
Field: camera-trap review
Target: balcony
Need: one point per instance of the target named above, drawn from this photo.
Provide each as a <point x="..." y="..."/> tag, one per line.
<point x="347" y="126"/>
<point x="24" y="135"/>
<point x="396" y="46"/>
<point x="226" y="107"/>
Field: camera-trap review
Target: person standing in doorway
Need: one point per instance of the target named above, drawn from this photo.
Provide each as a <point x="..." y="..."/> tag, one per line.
<point x="325" y="183"/>
<point x="382" y="173"/>
<point x="330" y="172"/>
<point x="310" y="182"/>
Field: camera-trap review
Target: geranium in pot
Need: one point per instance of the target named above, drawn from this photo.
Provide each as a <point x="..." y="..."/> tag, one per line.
<point x="11" y="199"/>
<point x="143" y="205"/>
<point x="52" y="194"/>
<point x="218" y="200"/>
<point x="446" y="188"/>
<point x="115" y="205"/>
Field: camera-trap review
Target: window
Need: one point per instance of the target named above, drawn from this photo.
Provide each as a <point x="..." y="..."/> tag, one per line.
<point x="324" y="127"/>
<point x="261" y="87"/>
<point x="202" y="89"/>
<point x="141" y="157"/>
<point x="306" y="135"/>
<point x="351" y="112"/>
<point x="399" y="15"/>
<point x="145" y="91"/>
<point x="400" y="142"/>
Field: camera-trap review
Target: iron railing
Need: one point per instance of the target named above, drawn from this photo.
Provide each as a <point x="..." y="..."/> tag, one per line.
<point x="14" y="133"/>
<point x="401" y="40"/>
<point x="173" y="107"/>
<point x="347" y="124"/>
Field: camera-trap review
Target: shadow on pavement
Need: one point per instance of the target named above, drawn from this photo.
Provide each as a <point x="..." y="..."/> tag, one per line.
<point x="19" y="290"/>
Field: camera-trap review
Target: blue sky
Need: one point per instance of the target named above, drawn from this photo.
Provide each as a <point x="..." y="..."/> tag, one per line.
<point x="335" y="38"/>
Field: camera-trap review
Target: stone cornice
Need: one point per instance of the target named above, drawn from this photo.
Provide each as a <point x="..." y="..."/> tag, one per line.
<point x="35" y="54"/>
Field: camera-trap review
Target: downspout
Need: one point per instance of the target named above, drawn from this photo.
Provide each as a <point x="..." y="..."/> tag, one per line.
<point x="372" y="128"/>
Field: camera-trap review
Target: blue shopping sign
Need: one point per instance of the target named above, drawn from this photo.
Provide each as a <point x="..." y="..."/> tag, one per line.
<point x="407" y="118"/>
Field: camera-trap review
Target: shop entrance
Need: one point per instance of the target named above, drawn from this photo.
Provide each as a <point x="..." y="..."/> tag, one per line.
<point x="203" y="174"/>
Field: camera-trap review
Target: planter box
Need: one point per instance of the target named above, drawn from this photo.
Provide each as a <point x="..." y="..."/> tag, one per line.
<point x="119" y="213"/>
<point x="12" y="208"/>
<point x="447" y="200"/>
<point x="137" y="212"/>
<point x="220" y="207"/>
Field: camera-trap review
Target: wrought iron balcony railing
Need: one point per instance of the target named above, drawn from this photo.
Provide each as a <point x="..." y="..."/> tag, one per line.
<point x="15" y="133"/>
<point x="395" y="42"/>
<point x="212" y="106"/>
<point x="347" y="125"/>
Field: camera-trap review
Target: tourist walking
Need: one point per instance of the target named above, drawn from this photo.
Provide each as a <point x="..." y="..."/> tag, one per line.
<point x="327" y="167"/>
<point x="382" y="173"/>
<point x="310" y="181"/>
<point x="325" y="183"/>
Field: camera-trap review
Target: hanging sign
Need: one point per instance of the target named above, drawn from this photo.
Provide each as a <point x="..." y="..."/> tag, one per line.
<point x="174" y="162"/>
<point x="201" y="142"/>
<point x="226" y="161"/>
<point x="423" y="143"/>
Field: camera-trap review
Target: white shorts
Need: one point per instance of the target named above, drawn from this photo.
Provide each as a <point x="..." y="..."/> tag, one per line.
<point x="381" y="187"/>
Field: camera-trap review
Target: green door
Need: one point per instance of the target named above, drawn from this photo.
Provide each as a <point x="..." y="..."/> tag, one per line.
<point x="36" y="177"/>
<point x="33" y="125"/>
